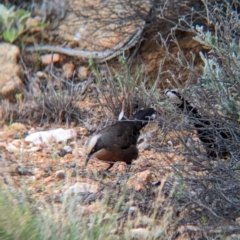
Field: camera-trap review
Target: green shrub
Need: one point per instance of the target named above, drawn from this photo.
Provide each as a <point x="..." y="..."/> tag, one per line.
<point x="12" y="22"/>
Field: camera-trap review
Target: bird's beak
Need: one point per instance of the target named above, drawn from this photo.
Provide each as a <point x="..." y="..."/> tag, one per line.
<point x="87" y="160"/>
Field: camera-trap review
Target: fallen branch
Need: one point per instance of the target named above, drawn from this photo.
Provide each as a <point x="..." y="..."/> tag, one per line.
<point x="99" y="56"/>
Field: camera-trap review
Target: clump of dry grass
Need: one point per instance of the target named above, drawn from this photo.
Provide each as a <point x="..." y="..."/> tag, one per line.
<point x="121" y="90"/>
<point x="50" y="106"/>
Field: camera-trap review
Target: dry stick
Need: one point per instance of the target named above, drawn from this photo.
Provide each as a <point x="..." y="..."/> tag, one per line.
<point x="99" y="56"/>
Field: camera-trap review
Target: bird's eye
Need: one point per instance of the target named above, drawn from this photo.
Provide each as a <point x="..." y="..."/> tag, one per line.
<point x="93" y="150"/>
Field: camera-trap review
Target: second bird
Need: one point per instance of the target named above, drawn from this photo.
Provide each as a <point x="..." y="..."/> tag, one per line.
<point x="118" y="142"/>
<point x="215" y="138"/>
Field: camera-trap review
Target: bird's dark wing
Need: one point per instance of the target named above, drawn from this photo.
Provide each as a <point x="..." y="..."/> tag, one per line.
<point x="119" y="134"/>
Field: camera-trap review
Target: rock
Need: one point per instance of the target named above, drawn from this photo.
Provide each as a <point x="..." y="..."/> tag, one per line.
<point x="80" y="188"/>
<point x="104" y="28"/>
<point x="63" y="151"/>
<point x="10" y="71"/>
<point x="18" y="127"/>
<point x="60" y="174"/>
<point x="41" y="74"/>
<point x="21" y="170"/>
<point x="133" y="210"/>
<point x="68" y="149"/>
<point x="139" y="180"/>
<point x="139" y="233"/>
<point x="70" y="165"/>
<point x="119" y="167"/>
<point x="55" y="135"/>
<point x="68" y="69"/>
<point x="83" y="72"/>
<point x="48" y="168"/>
<point x="12" y="131"/>
<point x="50" y="58"/>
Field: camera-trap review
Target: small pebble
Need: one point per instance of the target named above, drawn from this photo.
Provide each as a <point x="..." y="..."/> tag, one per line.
<point x="60" y="174"/>
<point x="63" y="151"/>
<point x="48" y="168"/>
<point x="70" y="165"/>
<point x="23" y="171"/>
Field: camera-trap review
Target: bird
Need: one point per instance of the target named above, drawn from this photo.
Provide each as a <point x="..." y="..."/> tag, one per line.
<point x="118" y="142"/>
<point x="215" y="139"/>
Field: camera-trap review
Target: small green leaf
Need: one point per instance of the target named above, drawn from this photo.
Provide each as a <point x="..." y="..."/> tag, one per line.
<point x="20" y="13"/>
<point x="9" y="35"/>
<point x="42" y="24"/>
<point x="23" y="19"/>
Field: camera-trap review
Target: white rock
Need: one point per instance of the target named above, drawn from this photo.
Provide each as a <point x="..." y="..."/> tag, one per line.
<point x="81" y="188"/>
<point x="67" y="148"/>
<point x="133" y="210"/>
<point x="139" y="233"/>
<point x="55" y="135"/>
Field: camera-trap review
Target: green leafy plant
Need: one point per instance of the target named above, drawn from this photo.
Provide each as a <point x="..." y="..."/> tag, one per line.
<point x="220" y="72"/>
<point x="12" y="22"/>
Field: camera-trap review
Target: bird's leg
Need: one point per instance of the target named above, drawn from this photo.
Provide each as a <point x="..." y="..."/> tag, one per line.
<point x="128" y="168"/>
<point x="105" y="172"/>
<point x="87" y="160"/>
<point x="109" y="167"/>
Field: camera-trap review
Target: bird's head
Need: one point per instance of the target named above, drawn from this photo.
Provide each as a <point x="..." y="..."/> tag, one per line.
<point x="90" y="146"/>
<point x="174" y="97"/>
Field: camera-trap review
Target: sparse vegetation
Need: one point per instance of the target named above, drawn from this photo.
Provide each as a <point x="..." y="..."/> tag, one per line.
<point x="49" y="106"/>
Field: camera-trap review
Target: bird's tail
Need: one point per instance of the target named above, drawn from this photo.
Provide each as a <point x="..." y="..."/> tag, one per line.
<point x="144" y="116"/>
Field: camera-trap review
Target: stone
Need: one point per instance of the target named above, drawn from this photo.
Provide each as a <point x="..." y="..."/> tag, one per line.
<point x="18" y="127"/>
<point x="104" y="28"/>
<point x="70" y="165"/>
<point x="139" y="180"/>
<point x="83" y="72"/>
<point x="139" y="233"/>
<point x="68" y="69"/>
<point x="21" y="170"/>
<point x="41" y="74"/>
<point x="54" y="135"/>
<point x="10" y="80"/>
<point x="47" y="168"/>
<point x="60" y="174"/>
<point x="81" y="188"/>
<point x="50" y="58"/>
<point x="65" y="150"/>
<point x="133" y="210"/>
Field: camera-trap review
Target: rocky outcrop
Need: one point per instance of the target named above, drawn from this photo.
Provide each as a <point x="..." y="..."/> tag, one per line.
<point x="10" y="71"/>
